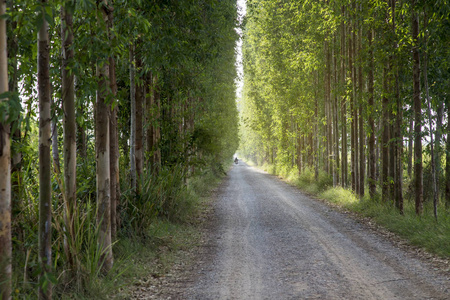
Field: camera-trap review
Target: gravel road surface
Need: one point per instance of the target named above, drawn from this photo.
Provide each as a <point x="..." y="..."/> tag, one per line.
<point x="267" y="240"/>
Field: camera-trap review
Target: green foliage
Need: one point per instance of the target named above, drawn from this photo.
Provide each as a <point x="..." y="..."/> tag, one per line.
<point x="190" y="47"/>
<point x="10" y="108"/>
<point x="162" y="196"/>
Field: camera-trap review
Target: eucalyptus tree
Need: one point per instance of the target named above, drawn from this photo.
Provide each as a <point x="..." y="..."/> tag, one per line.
<point x="5" y="168"/>
<point x="185" y="70"/>
<point x="347" y="67"/>
<point x="132" y="63"/>
<point x="102" y="122"/>
<point x="70" y="144"/>
<point x="45" y="190"/>
<point x="371" y="122"/>
<point x="417" y="105"/>
<point x="113" y="132"/>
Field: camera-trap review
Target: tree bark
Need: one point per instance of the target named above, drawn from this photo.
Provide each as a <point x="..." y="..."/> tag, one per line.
<point x="157" y="127"/>
<point x="139" y="125"/>
<point x="133" y="119"/>
<point x="410" y="145"/>
<point x="385" y="141"/>
<point x="438" y="147"/>
<point x="102" y="144"/>
<point x="316" y="126"/>
<point x="329" y="145"/>
<point x="370" y="84"/>
<point x="447" y="158"/>
<point x="16" y="136"/>
<point x="399" y="149"/>
<point x="330" y="137"/>
<point x="336" y="117"/>
<point x="5" y="173"/>
<point x="55" y="147"/>
<point x="418" y="164"/>
<point x="149" y="103"/>
<point x="398" y="144"/>
<point x="430" y="123"/>
<point x="344" y="168"/>
<point x="69" y="126"/>
<point x="114" y="138"/>
<point x="352" y="110"/>
<point x="299" y="151"/>
<point x="45" y="189"/>
<point x="355" y="96"/>
<point x="362" y="157"/>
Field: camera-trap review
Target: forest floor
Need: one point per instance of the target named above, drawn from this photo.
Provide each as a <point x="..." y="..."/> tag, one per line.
<point x="264" y="239"/>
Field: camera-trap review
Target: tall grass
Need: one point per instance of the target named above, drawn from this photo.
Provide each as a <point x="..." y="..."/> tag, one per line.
<point x="155" y="223"/>
<point x="161" y="196"/>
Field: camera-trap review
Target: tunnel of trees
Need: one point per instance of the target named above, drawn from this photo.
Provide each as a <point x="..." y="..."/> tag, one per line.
<point x="107" y="109"/>
<point x="355" y="91"/>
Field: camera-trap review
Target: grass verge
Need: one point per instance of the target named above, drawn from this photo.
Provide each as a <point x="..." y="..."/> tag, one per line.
<point x="167" y="241"/>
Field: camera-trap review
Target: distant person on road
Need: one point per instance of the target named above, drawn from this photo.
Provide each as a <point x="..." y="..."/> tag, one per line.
<point x="236" y="160"/>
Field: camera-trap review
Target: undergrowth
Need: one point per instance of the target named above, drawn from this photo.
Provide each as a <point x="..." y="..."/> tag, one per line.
<point x="156" y="226"/>
<point x="422" y="231"/>
<point x="149" y="247"/>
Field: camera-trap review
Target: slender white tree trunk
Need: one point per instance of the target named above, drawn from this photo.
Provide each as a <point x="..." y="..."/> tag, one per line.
<point x="45" y="190"/>
<point x="5" y="173"/>
<point x="102" y="121"/>
<point x="70" y="137"/>
<point x="133" y="120"/>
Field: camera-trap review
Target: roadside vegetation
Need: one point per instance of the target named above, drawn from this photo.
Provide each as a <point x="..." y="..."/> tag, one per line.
<point x="114" y="118"/>
<point x="158" y="244"/>
<point x="348" y="99"/>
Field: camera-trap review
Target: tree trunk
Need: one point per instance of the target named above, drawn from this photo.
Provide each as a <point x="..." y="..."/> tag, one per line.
<point x="113" y="139"/>
<point x="385" y="141"/>
<point x="392" y="142"/>
<point x="45" y="189"/>
<point x="157" y="127"/>
<point x="355" y="97"/>
<point x="344" y="168"/>
<point x="16" y="136"/>
<point x="316" y="126"/>
<point x="372" y="178"/>
<point x="418" y="164"/>
<point x="102" y="144"/>
<point x="398" y="143"/>
<point x="299" y="151"/>
<point x="430" y="122"/>
<point x="336" y="117"/>
<point x="5" y="174"/>
<point x="410" y="145"/>
<point x="132" y="120"/>
<point x="447" y="157"/>
<point x="362" y="157"/>
<point x="55" y="147"/>
<point x="352" y="110"/>
<point x="149" y="103"/>
<point x="138" y="123"/>
<point x="326" y="155"/>
<point x="69" y="126"/>
<point x="438" y="147"/>
<point x="329" y="115"/>
<point x="399" y="149"/>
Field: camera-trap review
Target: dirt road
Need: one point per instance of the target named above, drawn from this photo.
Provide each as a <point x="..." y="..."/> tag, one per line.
<point x="269" y="241"/>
